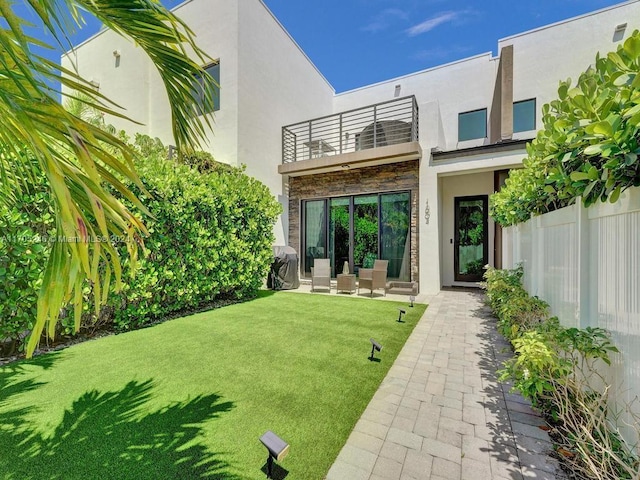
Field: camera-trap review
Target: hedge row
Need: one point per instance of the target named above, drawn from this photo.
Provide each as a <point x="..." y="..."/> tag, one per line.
<point x="210" y="237"/>
<point x="25" y="228"/>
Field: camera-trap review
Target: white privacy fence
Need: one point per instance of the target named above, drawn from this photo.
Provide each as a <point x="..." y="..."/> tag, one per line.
<point x="586" y="264"/>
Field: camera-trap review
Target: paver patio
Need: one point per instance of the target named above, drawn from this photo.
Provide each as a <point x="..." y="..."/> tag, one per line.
<point x="441" y="413"/>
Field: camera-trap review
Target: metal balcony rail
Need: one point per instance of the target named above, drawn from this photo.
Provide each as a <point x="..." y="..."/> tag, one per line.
<point x="379" y="125"/>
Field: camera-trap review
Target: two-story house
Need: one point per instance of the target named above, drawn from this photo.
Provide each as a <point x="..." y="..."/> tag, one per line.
<point x="400" y="170"/>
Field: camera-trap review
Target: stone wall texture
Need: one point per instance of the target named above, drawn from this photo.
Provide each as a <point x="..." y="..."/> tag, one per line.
<point x="402" y="176"/>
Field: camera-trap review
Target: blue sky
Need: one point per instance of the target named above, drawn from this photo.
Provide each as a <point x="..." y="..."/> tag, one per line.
<point x="358" y="42"/>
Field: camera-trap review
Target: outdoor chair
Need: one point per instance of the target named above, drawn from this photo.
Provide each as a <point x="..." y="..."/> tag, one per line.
<point x="321" y="274"/>
<point x="374" y="278"/>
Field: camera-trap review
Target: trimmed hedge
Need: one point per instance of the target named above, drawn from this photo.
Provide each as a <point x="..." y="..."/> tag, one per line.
<point x="25" y="228"/>
<point x="210" y="239"/>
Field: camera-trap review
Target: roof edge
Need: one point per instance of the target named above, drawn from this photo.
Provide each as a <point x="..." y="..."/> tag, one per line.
<point x="567" y="20"/>
<point x="488" y="55"/>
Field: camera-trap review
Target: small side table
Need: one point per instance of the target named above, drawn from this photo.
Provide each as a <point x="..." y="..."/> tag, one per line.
<point x="346" y="282"/>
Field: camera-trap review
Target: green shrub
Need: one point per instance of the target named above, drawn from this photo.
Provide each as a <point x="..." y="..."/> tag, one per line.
<point x="536" y="366"/>
<point x="588" y="146"/>
<point x="557" y="369"/>
<point x="25" y="228"/>
<point x="203" y="162"/>
<point x="500" y="285"/>
<point x="517" y="312"/>
<point x="522" y="313"/>
<point x="210" y="238"/>
<point x="545" y="351"/>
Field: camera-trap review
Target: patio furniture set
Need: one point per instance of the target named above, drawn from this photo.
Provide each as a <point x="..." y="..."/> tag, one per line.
<point x="369" y="278"/>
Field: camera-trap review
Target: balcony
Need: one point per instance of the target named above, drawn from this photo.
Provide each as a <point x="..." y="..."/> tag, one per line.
<point x="374" y="135"/>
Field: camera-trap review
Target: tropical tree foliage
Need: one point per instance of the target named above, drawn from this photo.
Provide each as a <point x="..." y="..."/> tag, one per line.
<point x="77" y="158"/>
<point x="589" y="145"/>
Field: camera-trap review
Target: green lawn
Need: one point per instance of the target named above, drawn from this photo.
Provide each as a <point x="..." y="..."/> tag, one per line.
<point x="189" y="398"/>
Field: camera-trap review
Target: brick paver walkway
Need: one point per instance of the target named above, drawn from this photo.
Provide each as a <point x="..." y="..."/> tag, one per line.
<point x="441" y="413"/>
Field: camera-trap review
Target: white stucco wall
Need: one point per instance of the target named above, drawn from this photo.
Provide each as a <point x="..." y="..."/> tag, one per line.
<point x="278" y="85"/>
<point x="215" y="25"/>
<point x="136" y="85"/>
<point x="543" y="57"/>
<point x="125" y="80"/>
<point x="441" y="92"/>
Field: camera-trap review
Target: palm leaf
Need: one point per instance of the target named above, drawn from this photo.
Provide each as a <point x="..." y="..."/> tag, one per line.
<point x="78" y="157"/>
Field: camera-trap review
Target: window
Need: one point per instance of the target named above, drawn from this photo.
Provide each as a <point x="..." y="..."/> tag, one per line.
<point x="472" y="125"/>
<point x="214" y="71"/>
<point x="524" y="115"/>
<point x="357" y="230"/>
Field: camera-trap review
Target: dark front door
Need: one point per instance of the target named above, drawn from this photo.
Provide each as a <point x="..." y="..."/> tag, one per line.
<point x="471" y="244"/>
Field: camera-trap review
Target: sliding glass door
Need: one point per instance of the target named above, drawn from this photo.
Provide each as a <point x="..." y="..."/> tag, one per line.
<point x="339" y="238"/>
<point x="315" y="232"/>
<point x="357" y="230"/>
<point x="395" y="222"/>
<point x="365" y="231"/>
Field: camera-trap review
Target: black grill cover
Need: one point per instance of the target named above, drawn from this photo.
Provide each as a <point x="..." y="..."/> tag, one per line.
<point x="283" y="274"/>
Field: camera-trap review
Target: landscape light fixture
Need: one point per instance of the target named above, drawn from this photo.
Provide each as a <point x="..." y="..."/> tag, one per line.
<point x="400" y="312"/>
<point x="412" y="298"/>
<point x="277" y="448"/>
<point x="375" y="347"/>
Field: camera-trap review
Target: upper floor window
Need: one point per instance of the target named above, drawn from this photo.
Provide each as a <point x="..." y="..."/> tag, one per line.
<point x="214" y="71"/>
<point x="472" y="125"/>
<point x="524" y="115"/>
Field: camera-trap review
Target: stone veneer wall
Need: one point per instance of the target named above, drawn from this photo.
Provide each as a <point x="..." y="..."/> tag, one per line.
<point x="394" y="177"/>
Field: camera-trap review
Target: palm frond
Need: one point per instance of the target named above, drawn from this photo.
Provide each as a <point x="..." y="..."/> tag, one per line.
<point x="78" y="157"/>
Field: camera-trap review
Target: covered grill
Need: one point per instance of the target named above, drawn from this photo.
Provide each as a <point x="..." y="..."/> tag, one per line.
<point x="283" y="274"/>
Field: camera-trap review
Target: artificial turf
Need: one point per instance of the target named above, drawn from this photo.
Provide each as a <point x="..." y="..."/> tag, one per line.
<point x="190" y="397"/>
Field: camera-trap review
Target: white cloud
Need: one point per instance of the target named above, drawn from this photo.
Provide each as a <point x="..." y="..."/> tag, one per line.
<point x="383" y="20"/>
<point x="431" y="23"/>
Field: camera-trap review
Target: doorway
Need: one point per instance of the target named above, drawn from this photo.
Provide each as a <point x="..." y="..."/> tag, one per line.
<point x="471" y="243"/>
